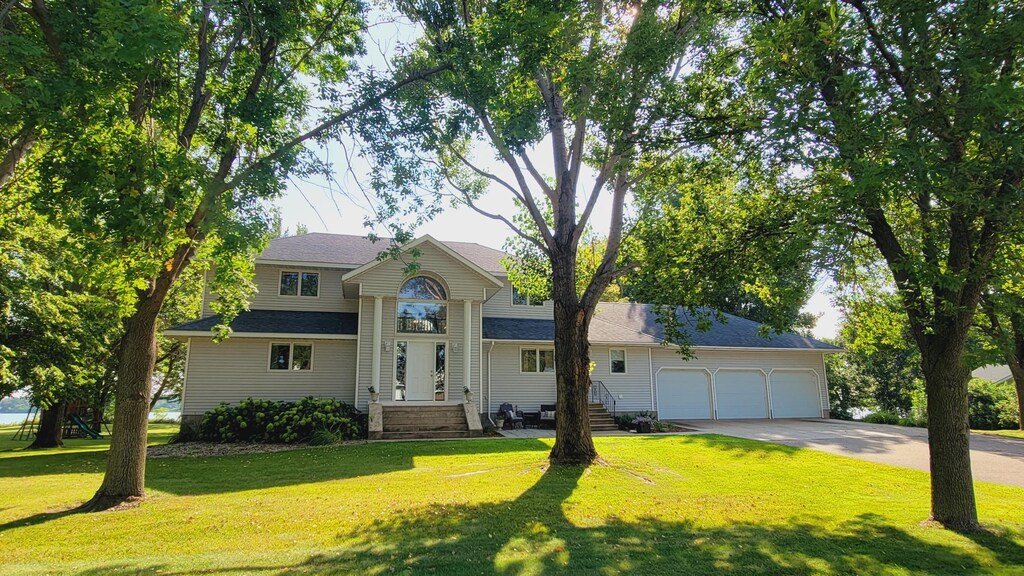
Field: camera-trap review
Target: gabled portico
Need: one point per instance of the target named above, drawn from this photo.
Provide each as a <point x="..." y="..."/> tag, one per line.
<point x="419" y="334"/>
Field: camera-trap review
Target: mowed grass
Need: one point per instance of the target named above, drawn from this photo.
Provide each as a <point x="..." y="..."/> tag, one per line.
<point x="1007" y="433"/>
<point x="658" y="505"/>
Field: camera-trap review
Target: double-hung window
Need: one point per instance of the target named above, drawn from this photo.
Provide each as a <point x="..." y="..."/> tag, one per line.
<point x="294" y="283"/>
<point x="536" y="360"/>
<point x="617" y="360"/>
<point x="520" y="299"/>
<point x="291" y="356"/>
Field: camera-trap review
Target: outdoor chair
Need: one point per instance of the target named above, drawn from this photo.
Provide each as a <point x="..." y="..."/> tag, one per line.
<point x="547" y="415"/>
<point x="513" y="417"/>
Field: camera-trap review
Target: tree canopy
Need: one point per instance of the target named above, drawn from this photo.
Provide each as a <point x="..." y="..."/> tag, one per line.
<point x="578" y="101"/>
<point x="908" y="116"/>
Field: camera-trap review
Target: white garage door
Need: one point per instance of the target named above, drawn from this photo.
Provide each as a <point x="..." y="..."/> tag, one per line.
<point x="684" y="395"/>
<point x="740" y="394"/>
<point x="795" y="394"/>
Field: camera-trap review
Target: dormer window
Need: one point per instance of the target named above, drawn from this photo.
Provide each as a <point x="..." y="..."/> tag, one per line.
<point x="422" y="307"/>
<point x="520" y="299"/>
<point x="300" y="284"/>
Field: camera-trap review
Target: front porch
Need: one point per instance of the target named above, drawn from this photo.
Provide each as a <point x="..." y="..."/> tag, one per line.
<point x="402" y="420"/>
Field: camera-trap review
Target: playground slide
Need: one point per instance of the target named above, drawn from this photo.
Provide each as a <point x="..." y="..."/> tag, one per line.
<point x="77" y="421"/>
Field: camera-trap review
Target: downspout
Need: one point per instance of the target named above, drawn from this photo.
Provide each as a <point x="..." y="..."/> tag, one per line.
<point x="489" y="385"/>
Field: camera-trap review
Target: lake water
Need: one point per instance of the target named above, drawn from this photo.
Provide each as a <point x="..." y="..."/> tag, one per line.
<point x="18" y="418"/>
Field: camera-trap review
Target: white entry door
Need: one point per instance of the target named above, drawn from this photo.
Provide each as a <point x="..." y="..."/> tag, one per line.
<point x="421" y="370"/>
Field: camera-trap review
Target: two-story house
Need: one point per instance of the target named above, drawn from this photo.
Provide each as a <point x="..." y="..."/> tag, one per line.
<point x="331" y="319"/>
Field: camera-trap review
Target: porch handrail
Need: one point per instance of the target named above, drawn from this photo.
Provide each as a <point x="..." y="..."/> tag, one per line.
<point x="599" y="393"/>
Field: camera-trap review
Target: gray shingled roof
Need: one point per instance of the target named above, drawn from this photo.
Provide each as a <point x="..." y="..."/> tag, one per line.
<point x="637" y="324"/>
<point x="280" y="322"/>
<point x="544" y="330"/>
<point x="354" y="251"/>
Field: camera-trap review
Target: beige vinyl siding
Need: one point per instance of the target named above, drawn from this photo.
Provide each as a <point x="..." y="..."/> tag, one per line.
<point x="767" y="361"/>
<point x="462" y="282"/>
<point x="500" y="306"/>
<point x="525" y="391"/>
<point x="632" y="390"/>
<point x="366" y="344"/>
<point x="238" y="368"/>
<point x="267" y="279"/>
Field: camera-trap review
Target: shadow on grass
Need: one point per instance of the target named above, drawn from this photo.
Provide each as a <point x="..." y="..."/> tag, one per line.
<point x="537" y="533"/>
<point x="738" y="447"/>
<point x="196" y="476"/>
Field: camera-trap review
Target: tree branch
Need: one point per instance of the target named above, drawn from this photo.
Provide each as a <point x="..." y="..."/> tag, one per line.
<point x="334" y="121"/>
<point x="200" y="95"/>
<point x="527" y="196"/>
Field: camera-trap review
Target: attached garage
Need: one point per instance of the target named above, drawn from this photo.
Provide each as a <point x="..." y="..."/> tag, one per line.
<point x="741" y="394"/>
<point x="795" y="394"/>
<point x="684" y="394"/>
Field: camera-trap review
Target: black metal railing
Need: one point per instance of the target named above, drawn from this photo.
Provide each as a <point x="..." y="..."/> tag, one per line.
<point x="599" y="393"/>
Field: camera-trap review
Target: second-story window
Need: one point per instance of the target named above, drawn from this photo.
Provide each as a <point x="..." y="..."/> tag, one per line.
<point x="422" y="307"/>
<point x="300" y="284"/>
<point x="520" y="299"/>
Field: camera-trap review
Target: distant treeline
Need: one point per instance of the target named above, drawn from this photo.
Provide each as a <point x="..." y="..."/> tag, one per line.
<point x="19" y="405"/>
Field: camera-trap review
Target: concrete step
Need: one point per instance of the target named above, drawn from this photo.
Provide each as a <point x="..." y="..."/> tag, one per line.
<point x="425" y="425"/>
<point x="426" y="434"/>
<point x="431" y="411"/>
<point x="436" y="406"/>
<point x="424" y="417"/>
<point x="413" y="426"/>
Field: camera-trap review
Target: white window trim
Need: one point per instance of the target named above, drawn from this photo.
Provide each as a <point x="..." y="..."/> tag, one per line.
<point x="529" y="301"/>
<point x="538" y="351"/>
<point x="625" y="362"/>
<point x="291" y="357"/>
<point x="298" y="287"/>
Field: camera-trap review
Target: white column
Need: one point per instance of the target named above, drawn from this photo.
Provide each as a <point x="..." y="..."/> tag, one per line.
<point x="378" y="312"/>
<point x="467" y="342"/>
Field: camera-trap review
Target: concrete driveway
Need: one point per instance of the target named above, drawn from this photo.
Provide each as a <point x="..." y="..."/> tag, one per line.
<point x="993" y="458"/>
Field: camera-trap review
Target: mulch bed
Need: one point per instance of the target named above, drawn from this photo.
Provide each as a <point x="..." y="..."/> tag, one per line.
<point x="207" y="449"/>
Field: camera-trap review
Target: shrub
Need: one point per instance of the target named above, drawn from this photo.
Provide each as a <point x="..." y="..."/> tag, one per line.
<point x="992" y="406"/>
<point x="325" y="437"/>
<point x="913" y="422"/>
<point x="256" y="420"/>
<point x="624" y="421"/>
<point x="882" y="417"/>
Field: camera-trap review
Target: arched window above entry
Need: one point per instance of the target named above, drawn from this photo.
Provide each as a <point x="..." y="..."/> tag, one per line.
<point x="422" y="307"/>
<point x="422" y="288"/>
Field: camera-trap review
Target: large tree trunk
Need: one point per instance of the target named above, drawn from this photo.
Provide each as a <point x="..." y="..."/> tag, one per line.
<point x="19" y="147"/>
<point x="949" y="439"/>
<point x="573" y="443"/>
<point x="1017" y="369"/>
<point x="1015" y="358"/>
<point x="126" y="462"/>
<point x="50" y="433"/>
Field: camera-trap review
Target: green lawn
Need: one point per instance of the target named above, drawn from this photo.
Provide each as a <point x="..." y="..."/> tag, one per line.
<point x="1008" y="433"/>
<point x="660" y="505"/>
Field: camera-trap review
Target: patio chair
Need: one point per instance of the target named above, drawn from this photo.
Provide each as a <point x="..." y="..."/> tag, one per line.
<point x="547" y="415"/>
<point x="513" y="418"/>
